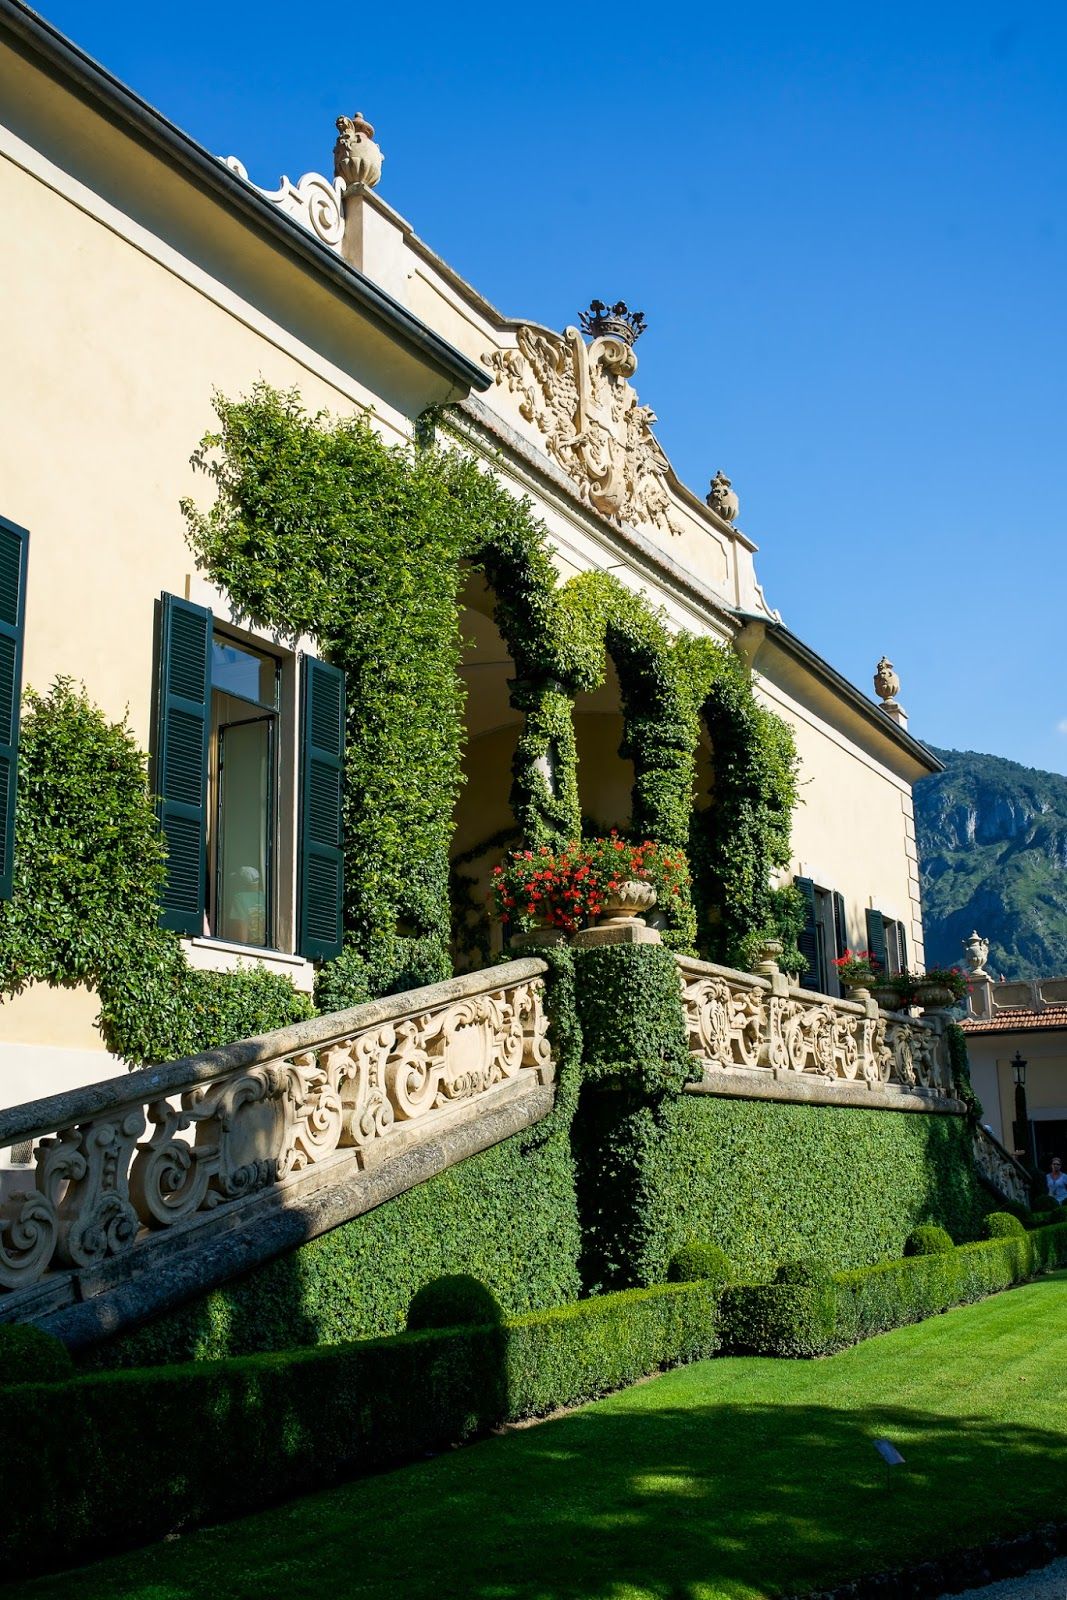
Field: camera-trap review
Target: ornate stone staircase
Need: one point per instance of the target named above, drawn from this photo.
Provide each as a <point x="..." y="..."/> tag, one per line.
<point x="147" y="1189"/>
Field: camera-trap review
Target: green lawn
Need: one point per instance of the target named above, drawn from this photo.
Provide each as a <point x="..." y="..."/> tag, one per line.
<point x="732" y="1478"/>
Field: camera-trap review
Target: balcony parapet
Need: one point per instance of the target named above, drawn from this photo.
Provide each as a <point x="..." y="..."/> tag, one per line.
<point x="761" y="1037"/>
<point x="200" y="1146"/>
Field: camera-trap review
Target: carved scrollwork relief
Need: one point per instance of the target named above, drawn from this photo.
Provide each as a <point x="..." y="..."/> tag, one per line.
<point x="315" y="202"/>
<point x="733" y="1024"/>
<point x="999" y="1169"/>
<point x="725" y="1025"/>
<point x="99" y="1184"/>
<point x="579" y="397"/>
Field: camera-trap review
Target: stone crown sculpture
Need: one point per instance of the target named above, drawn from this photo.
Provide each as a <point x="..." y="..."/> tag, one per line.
<point x="613" y="322"/>
<point x="356" y="157"/>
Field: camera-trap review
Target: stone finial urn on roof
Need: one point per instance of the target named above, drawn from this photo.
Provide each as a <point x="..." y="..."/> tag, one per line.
<point x="886" y="682"/>
<point x="976" y="954"/>
<point x="356" y="157"/>
<point x="722" y="499"/>
<point x="887" y="687"/>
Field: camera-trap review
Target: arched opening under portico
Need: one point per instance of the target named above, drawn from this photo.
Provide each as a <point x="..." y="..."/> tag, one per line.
<point x="485" y="827"/>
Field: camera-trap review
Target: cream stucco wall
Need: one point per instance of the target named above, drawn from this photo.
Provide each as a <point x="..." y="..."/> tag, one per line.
<point x="118" y="327"/>
<point x="854" y="829"/>
<point x="129" y="295"/>
<point x="1045" y="1052"/>
<point x="136" y="352"/>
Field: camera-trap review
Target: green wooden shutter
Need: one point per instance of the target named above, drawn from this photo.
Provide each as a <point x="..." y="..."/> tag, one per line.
<point x="876" y="941"/>
<point x="840" y="924"/>
<point x="14" y="545"/>
<point x="808" y="939"/>
<point x="321" y="784"/>
<point x="903" y="947"/>
<point x="183" y="727"/>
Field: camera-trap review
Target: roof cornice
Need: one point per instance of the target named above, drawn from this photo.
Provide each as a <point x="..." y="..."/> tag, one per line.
<point x="94" y="84"/>
<point x="804" y="656"/>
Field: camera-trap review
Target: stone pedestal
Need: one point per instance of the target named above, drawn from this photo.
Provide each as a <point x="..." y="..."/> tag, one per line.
<point x="617" y="930"/>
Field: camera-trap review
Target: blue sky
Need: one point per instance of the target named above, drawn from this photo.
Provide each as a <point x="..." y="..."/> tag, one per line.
<point x="845" y="224"/>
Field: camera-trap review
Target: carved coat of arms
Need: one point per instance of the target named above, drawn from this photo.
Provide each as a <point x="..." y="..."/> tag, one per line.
<point x="579" y="397"/>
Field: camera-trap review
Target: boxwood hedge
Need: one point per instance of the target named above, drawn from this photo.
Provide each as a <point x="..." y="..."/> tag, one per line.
<point x="805" y="1320"/>
<point x="124" y="1457"/>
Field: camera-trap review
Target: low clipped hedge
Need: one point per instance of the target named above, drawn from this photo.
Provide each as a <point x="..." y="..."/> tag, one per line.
<point x="576" y="1352"/>
<point x="805" y="1318"/>
<point x="124" y="1457"/>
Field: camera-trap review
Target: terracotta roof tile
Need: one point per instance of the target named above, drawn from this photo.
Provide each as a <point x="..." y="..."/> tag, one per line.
<point x="1017" y="1021"/>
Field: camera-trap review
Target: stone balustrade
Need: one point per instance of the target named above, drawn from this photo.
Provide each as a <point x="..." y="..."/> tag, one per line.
<point x="173" y="1147"/>
<point x="760" y="1036"/>
<point x="1000" y="1168"/>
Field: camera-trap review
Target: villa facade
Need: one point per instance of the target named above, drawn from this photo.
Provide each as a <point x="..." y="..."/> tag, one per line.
<point x="141" y="275"/>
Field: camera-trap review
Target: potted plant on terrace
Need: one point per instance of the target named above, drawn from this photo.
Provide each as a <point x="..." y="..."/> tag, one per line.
<point x="939" y="987"/>
<point x="546" y="895"/>
<point x="557" y="892"/>
<point x="856" y="972"/>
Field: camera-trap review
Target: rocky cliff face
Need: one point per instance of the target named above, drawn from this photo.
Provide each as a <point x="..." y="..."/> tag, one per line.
<point x="993" y="856"/>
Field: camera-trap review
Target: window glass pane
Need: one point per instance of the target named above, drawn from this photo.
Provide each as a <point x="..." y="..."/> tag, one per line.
<point x="238" y="669"/>
<point x="244" y="865"/>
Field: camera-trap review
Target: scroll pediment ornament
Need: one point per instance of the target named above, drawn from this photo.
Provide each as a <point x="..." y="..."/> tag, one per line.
<point x="580" y="398"/>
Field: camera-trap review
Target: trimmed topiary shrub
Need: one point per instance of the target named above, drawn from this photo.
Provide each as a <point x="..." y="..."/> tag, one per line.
<point x="456" y="1301"/>
<point x="697" y="1260"/>
<point x="1044" y="1202"/>
<point x="793" y="1316"/>
<point x="1002" y="1225"/>
<point x="29" y="1355"/>
<point x="778" y="1319"/>
<point x="928" y="1240"/>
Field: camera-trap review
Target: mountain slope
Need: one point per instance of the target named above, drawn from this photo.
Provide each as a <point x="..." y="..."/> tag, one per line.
<point x="993" y="856"/>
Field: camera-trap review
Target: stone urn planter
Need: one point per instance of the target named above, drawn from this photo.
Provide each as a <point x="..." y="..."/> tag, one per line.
<point x="934" y="996"/>
<point x="887" y="996"/>
<point x="856" y="988"/>
<point x="621" y="920"/>
<point x="627" y="902"/>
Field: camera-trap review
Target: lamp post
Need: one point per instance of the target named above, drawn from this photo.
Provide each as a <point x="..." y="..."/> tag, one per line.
<point x="1021" y="1131"/>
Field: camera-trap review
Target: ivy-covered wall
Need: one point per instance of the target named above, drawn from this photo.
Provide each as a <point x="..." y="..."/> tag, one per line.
<point x="89" y="860"/>
<point x="767" y="1182"/>
<point x="318" y="528"/>
<point x="627" y="1168"/>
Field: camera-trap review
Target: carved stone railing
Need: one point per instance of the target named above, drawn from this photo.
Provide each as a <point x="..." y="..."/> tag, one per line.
<point x="170" y="1148"/>
<point x="999" y="1168"/>
<point x="762" y="1036"/>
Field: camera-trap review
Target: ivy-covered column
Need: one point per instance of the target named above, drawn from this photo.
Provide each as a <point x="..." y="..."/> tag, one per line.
<point x="636" y="1062"/>
<point x="544" y="789"/>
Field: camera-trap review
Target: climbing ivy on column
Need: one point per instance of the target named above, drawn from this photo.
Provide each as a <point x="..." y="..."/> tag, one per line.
<point x="320" y="529"/>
